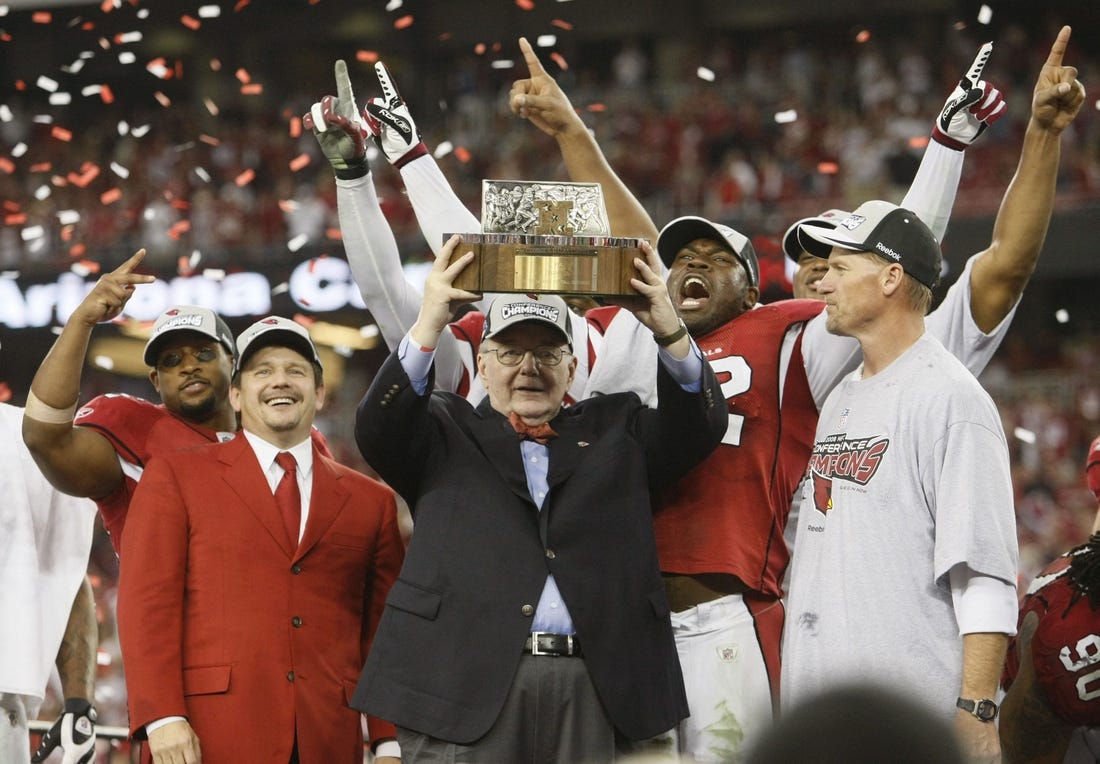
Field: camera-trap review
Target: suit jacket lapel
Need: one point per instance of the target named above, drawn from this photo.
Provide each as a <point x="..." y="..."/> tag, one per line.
<point x="328" y="498"/>
<point x="500" y="446"/>
<point x="244" y="478"/>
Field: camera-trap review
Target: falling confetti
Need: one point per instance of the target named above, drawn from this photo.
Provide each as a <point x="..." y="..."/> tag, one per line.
<point x="245" y="177"/>
<point x="786" y="117"/>
<point x="527" y="5"/>
<point x="559" y="59"/>
<point x="562" y="25"/>
<point x="298" y="162"/>
<point x="985" y="14"/>
<point x="404" y="22"/>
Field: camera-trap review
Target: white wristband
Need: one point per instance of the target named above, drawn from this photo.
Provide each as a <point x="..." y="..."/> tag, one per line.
<point x="43" y="412"/>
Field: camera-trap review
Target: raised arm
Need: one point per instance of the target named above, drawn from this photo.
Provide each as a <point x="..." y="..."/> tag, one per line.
<point x="1002" y="271"/>
<point x="76" y="460"/>
<point x="540" y="100"/>
<point x="970" y="109"/>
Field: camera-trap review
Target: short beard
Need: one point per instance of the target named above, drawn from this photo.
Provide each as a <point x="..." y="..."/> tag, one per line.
<point x="199" y="412"/>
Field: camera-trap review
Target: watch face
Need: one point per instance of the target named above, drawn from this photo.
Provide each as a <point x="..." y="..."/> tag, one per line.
<point x="986" y="710"/>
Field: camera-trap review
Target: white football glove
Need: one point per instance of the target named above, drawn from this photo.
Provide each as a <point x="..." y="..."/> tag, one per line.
<point x="973" y="106"/>
<point x="335" y="123"/>
<point x="391" y="125"/>
<point x="74" y="732"/>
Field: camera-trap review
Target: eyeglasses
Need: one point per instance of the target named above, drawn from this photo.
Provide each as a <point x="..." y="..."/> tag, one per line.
<point x="175" y="357"/>
<point x="544" y="356"/>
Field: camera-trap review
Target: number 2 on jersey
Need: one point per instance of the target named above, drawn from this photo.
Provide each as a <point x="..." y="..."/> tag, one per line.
<point x="740" y="379"/>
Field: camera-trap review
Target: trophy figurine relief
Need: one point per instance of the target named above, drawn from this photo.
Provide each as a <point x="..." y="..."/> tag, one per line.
<point x="546" y="238"/>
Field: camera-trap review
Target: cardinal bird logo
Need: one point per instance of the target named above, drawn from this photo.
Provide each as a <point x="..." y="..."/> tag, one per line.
<point x="823" y="492"/>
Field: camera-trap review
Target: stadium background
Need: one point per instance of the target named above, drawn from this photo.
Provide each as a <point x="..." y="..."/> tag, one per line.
<point x="174" y="126"/>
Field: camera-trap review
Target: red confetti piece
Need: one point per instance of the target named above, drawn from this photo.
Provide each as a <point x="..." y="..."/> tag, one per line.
<point x="295" y="127"/>
<point x="190" y="22"/>
<point x="89" y="266"/>
<point x="240" y="4"/>
<point x="19" y="219"/>
<point x="254" y="89"/>
<point x="863" y="36"/>
<point x="107" y="6"/>
<point x="41" y="167"/>
<point x="526" y="5"/>
<point x="304" y="320"/>
<point x="87" y="26"/>
<point x="559" y="59"/>
<point x="562" y="25"/>
<point x="108" y="198"/>
<point x="918" y="142"/>
<point x="84" y="178"/>
<point x="286" y="205"/>
<point x="243" y="75"/>
<point x="245" y="177"/>
<point x="162" y="99"/>
<point x="77" y="250"/>
<point x="828" y="168"/>
<point x="446" y="36"/>
<point x="479" y="49"/>
<point x="404" y="22"/>
<point x="298" y="162"/>
<point x="106" y="94"/>
<point x="20" y="85"/>
<point x="5" y="392"/>
<point x="5" y="37"/>
<point x="7" y="166"/>
<point x="183" y="266"/>
<point x="335" y="234"/>
<point x="210" y="140"/>
<point x="61" y="133"/>
<point x="366" y="56"/>
<point x="462" y="154"/>
<point x="67" y="233"/>
<point x="596" y="107"/>
<point x="180" y="204"/>
<point x="11" y="205"/>
<point x="42" y="17"/>
<point x="178" y="229"/>
<point x="215" y="65"/>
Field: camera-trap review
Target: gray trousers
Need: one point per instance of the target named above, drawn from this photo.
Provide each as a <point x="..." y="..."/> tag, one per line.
<point x="551" y="716"/>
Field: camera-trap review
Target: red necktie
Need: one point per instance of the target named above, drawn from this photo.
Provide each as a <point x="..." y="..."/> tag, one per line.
<point x="288" y="497"/>
<point x="540" y="433"/>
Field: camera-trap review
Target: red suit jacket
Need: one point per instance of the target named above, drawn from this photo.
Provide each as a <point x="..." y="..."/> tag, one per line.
<point x="220" y="622"/>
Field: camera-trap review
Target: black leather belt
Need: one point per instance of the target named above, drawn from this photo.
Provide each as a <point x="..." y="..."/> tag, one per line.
<point x="545" y="643"/>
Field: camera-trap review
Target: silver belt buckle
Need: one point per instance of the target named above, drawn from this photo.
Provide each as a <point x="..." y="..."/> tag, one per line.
<point x="535" y="650"/>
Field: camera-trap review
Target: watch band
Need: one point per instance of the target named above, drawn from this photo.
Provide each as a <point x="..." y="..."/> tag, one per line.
<point x="982" y="709"/>
<point x="665" y="340"/>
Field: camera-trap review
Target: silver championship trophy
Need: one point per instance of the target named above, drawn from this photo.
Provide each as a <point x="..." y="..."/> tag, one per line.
<point x="546" y="238"/>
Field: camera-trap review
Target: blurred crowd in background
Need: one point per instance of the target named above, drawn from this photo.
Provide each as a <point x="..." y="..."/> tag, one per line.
<point x="753" y="129"/>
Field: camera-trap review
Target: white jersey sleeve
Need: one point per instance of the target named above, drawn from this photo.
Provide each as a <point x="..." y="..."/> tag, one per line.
<point x="952" y="323"/>
<point x="932" y="192"/>
<point x="374" y="259"/>
<point x="438" y="209"/>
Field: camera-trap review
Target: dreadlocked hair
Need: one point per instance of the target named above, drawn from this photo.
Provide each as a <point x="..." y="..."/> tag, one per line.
<point x="1084" y="570"/>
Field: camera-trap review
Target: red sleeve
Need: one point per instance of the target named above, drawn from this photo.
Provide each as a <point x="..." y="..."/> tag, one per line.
<point x="125" y="421"/>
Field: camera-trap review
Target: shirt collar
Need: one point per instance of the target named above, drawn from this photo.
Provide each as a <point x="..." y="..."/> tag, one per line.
<point x="266" y="452"/>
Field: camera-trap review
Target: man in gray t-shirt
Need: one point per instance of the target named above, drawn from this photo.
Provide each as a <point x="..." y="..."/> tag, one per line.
<point x="907" y="535"/>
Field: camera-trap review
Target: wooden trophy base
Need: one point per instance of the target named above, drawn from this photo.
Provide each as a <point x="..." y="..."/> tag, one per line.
<point x="546" y="264"/>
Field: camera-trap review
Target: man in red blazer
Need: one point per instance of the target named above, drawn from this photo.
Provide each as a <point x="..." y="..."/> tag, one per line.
<point x="243" y="625"/>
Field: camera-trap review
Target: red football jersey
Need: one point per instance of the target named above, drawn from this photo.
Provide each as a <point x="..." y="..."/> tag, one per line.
<point x="1065" y="649"/>
<point x="728" y="514"/>
<point x="138" y="430"/>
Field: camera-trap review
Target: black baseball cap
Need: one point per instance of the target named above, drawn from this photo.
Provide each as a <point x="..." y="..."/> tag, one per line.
<point x="682" y="231"/>
<point x="889" y="231"/>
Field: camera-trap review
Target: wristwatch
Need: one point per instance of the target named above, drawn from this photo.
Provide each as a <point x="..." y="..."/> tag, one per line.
<point x="983" y="709"/>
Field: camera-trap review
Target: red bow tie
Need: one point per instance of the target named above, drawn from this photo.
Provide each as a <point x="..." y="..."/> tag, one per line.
<point x="540" y="433"/>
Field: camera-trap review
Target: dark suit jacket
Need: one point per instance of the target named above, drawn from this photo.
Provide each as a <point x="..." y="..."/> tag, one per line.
<point x="456" y="619"/>
<point x="220" y="622"/>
